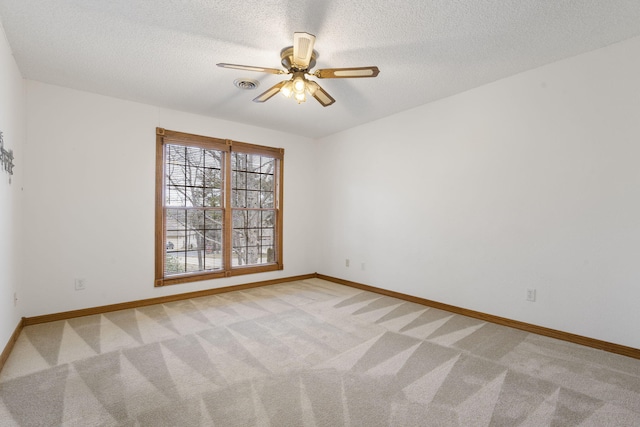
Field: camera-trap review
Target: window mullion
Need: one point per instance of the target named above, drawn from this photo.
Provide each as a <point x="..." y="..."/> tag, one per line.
<point x="228" y="214"/>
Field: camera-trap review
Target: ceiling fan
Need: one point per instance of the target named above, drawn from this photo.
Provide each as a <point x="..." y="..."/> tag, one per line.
<point x="298" y="60"/>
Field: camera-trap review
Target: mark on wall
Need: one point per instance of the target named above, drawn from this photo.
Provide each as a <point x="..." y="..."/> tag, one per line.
<point x="6" y="158"/>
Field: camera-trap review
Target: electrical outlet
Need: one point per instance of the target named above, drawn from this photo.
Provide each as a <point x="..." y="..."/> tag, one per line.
<point x="15" y="299"/>
<point x="80" y="285"/>
<point x="346" y="262"/>
<point x="531" y="295"/>
<point x="362" y="266"/>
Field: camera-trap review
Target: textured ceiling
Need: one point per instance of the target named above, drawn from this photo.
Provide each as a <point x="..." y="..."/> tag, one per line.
<point x="163" y="52"/>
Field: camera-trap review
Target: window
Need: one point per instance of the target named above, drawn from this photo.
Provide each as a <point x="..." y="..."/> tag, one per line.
<point x="218" y="208"/>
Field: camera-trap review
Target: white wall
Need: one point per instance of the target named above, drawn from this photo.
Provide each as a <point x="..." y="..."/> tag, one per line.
<point x="530" y="182"/>
<point x="89" y="198"/>
<point x="12" y="125"/>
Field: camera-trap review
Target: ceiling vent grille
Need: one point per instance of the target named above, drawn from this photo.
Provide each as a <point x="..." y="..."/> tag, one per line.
<point x="246" y="84"/>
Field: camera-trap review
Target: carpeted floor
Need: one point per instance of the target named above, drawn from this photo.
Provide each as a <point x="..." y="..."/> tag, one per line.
<point x="307" y="353"/>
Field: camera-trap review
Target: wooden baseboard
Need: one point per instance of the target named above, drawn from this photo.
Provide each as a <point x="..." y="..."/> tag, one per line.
<point x="159" y="300"/>
<point x="527" y="327"/>
<point x="12" y="340"/>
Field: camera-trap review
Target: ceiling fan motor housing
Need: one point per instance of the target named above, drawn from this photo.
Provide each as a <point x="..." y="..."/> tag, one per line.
<point x="286" y="56"/>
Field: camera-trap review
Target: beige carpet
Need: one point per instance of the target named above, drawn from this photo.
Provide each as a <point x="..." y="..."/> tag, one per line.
<point x="308" y="353"/>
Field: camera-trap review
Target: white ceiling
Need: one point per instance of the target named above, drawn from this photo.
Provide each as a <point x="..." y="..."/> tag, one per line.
<point x="163" y="52"/>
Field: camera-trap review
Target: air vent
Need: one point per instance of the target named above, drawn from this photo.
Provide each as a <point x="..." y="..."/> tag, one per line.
<point x="246" y="84"/>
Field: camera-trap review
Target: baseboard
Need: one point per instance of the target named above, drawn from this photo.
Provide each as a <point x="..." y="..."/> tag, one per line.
<point x="12" y="341"/>
<point x="159" y="300"/>
<point x="527" y="327"/>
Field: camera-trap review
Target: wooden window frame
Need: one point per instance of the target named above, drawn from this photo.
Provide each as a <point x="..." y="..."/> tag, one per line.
<point x="163" y="137"/>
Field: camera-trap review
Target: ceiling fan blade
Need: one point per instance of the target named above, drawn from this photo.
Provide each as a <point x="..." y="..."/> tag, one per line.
<point x="320" y="94"/>
<point x="345" y="73"/>
<point x="250" y="68"/>
<point x="273" y="90"/>
<point x="303" y="49"/>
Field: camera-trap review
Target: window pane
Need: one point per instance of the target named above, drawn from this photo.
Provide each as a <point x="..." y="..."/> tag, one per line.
<point x="213" y="197"/>
<point x="253" y="162"/>
<point x="175" y="197"/>
<point x="175" y="154"/>
<point x="267" y="200"/>
<point x="253" y="181"/>
<point x="268" y="219"/>
<point x="267" y="238"/>
<point x="176" y="174"/>
<point x="204" y="236"/>
<point x="213" y="249"/>
<point x="213" y="159"/>
<point x="195" y="219"/>
<point x="239" y="219"/>
<point x="173" y="264"/>
<point x="239" y="198"/>
<point x="238" y="161"/>
<point x="213" y="219"/>
<point x="175" y="238"/>
<point x="240" y="180"/>
<point x="253" y="188"/>
<point x="253" y="237"/>
<point x="195" y="156"/>
<point x="253" y="219"/>
<point x="193" y="240"/>
<point x="268" y="164"/>
<point x="253" y="199"/>
<point x="176" y="219"/>
<point x="266" y="183"/>
<point x="193" y="176"/>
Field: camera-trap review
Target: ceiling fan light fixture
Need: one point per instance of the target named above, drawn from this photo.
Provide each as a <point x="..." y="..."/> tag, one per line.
<point x="287" y="89"/>
<point x="312" y="87"/>
<point x="300" y="97"/>
<point x="299" y="82"/>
